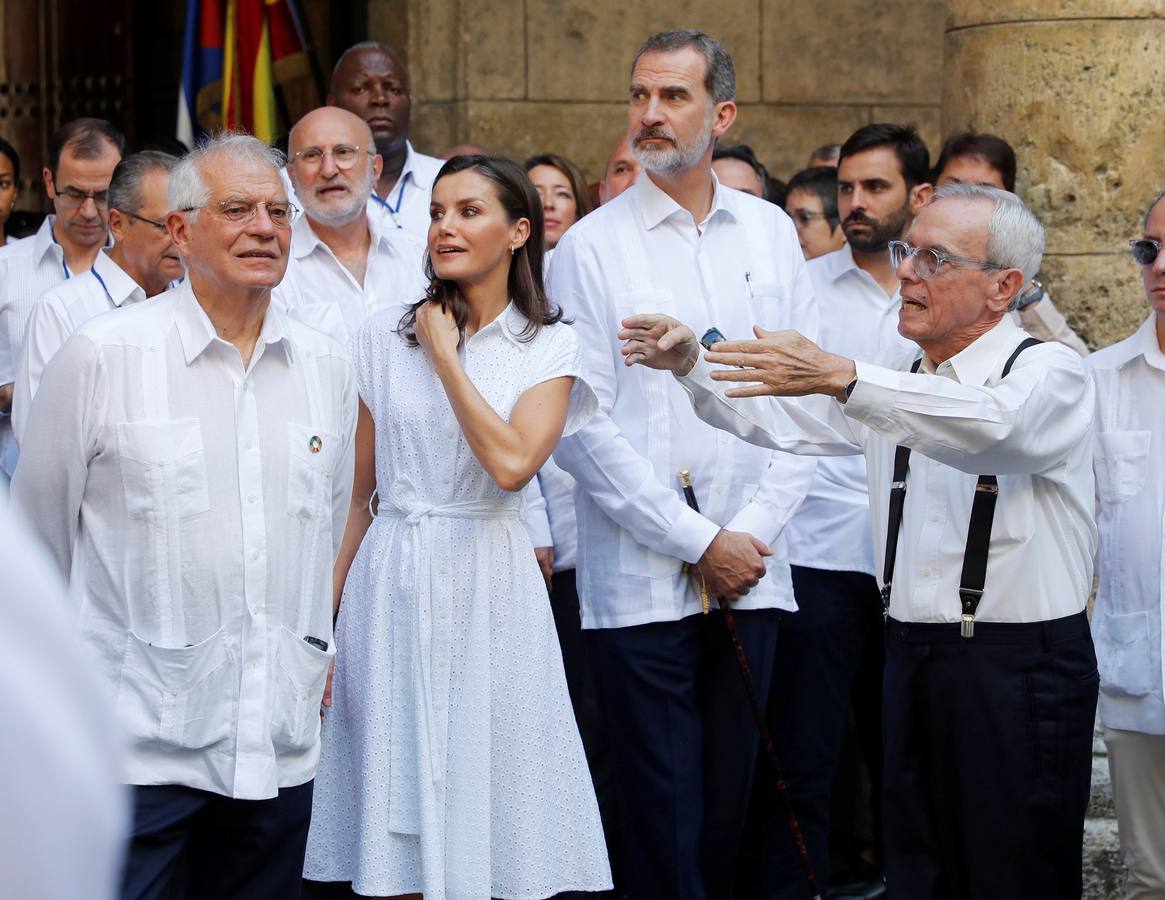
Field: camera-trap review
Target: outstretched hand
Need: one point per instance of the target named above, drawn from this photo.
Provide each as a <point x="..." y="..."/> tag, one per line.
<point x="781" y="364"/>
<point x="659" y="342"/>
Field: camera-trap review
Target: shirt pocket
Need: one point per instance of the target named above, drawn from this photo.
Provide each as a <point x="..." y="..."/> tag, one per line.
<point x="301" y="672"/>
<point x="178" y="696"/>
<point x="640" y="560"/>
<point x="163" y="468"/>
<point x="1121" y="463"/>
<point x="309" y="471"/>
<point x="767" y="302"/>
<point x="1124" y="655"/>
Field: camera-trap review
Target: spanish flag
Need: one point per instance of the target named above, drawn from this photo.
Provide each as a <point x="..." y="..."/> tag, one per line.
<point x="235" y="54"/>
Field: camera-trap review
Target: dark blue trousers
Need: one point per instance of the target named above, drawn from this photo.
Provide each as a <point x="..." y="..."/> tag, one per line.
<point x="988" y="759"/>
<point x="194" y="845"/>
<point x="835" y="635"/>
<point x="684" y="745"/>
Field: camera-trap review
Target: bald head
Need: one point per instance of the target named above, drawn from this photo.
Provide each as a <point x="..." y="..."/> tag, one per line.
<point x="371" y="82"/>
<point x="622" y="170"/>
<point x="329" y="125"/>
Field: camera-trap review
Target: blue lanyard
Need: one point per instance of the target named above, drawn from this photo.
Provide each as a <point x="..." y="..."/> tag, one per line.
<point x="400" y="199"/>
<point x="101" y="281"/>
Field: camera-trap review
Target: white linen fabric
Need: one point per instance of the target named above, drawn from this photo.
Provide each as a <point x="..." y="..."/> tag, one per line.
<point x="452" y="764"/>
<point x="198" y="506"/>
<point x="832" y="529"/>
<point x="740" y="266"/>
<point x="60" y="311"/>
<point x="407" y="204"/>
<point x="1130" y="495"/>
<point x="28" y="268"/>
<point x="319" y="291"/>
<point x="1033" y="429"/>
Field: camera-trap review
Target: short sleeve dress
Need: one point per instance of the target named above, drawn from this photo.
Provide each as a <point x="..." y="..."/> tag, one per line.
<point x="451" y="761"/>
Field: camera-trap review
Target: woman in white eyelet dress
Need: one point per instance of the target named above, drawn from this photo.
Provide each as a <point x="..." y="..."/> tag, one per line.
<point x="451" y="764"/>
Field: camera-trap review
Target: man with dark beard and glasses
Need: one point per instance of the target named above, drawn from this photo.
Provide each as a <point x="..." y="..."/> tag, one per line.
<point x="667" y="678"/>
<point x="834" y="639"/>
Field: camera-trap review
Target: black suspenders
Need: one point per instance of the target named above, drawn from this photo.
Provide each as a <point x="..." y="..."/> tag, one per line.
<point x="974" y="573"/>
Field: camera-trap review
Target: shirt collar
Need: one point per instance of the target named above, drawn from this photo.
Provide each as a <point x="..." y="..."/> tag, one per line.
<point x="46" y="242"/>
<point x="117" y="283"/>
<point x="305" y="241"/>
<point x="420" y="179"/>
<point x="1147" y="344"/>
<point x="511" y="323"/>
<point x="656" y="206"/>
<point x="975" y="363"/>
<point x="196" y="332"/>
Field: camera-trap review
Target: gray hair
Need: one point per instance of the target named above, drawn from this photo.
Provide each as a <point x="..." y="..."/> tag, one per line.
<point x="1152" y="206"/>
<point x="125" y="188"/>
<point x="719" y="73"/>
<point x="1015" y="237"/>
<point x="188" y="190"/>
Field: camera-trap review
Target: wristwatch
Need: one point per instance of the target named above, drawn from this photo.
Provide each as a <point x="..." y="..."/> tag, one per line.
<point x="1033" y="293"/>
<point x="849" y="389"/>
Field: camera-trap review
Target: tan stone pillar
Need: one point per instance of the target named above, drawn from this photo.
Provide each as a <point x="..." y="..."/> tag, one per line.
<point x="1078" y="88"/>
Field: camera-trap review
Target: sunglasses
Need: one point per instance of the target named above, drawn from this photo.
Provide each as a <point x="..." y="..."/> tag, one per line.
<point x="1145" y="251"/>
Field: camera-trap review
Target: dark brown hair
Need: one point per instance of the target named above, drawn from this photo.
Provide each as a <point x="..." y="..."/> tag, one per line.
<point x="578" y="183"/>
<point x="990" y="148"/>
<point x="527" y="292"/>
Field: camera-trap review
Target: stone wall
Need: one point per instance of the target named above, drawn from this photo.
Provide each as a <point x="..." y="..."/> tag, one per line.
<point x="551" y="75"/>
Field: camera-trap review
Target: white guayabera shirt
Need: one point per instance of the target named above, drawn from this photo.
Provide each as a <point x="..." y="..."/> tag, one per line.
<point x="198" y="506"/>
<point x="56" y="315"/>
<point x="1130" y="494"/>
<point x="319" y="291"/>
<point x="407" y="204"/>
<point x="1033" y="429"/>
<point x="643" y="253"/>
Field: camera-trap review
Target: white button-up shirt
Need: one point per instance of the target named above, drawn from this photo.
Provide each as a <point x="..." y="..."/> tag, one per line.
<point x="407" y="204"/>
<point x="740" y="266"/>
<point x="1033" y="429"/>
<point x="27" y="269"/>
<point x="1130" y="492"/>
<point x="198" y="506"/>
<point x="61" y="310"/>
<point x="319" y="291"/>
<point x="832" y="530"/>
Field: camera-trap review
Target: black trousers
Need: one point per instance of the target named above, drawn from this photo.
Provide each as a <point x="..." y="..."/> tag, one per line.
<point x="836" y="633"/>
<point x="684" y="745"/>
<point x="988" y="759"/>
<point x="194" y="845"/>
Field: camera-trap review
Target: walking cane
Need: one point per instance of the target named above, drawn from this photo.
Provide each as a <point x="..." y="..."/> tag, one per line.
<point x="758" y="713"/>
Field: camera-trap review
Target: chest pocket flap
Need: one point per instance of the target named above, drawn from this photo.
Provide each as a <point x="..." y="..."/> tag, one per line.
<point x="163" y="468"/>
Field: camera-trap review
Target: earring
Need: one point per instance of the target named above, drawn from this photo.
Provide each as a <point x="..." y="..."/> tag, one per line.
<point x="512" y="249"/>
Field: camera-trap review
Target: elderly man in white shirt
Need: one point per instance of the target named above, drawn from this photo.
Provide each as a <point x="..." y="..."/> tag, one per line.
<point x="189" y="464"/>
<point x="991" y="681"/>
<point x="370" y="81"/>
<point x="1126" y="622"/>
<point x="345" y="263"/>
<point x="668" y="683"/>
<point x="82" y="156"/>
<point x="142" y="262"/>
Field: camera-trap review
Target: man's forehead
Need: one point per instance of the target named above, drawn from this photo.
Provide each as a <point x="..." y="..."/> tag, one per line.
<point x="876" y="162"/>
<point x="371" y="63"/>
<point x="100" y="168"/>
<point x="958" y="224"/>
<point x="253" y="181"/>
<point x="684" y="66"/>
<point x="327" y="126"/>
<point x="1155" y="223"/>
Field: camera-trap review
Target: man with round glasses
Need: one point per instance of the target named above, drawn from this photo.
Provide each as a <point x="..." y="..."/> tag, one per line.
<point x="142" y="262"/>
<point x="189" y="463"/>
<point x="979" y="465"/>
<point x="1126" y="622"/>
<point x="82" y="155"/>
<point x="345" y="262"/>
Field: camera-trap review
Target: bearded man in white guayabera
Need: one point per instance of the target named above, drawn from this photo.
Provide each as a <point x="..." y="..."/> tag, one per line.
<point x="188" y="463"/>
<point x="979" y="464"/>
<point x="1130" y="493"/>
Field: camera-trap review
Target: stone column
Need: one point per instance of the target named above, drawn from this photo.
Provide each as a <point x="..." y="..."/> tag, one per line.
<point x="1077" y="87"/>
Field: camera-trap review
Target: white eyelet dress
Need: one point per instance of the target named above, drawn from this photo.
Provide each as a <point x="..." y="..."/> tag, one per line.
<point x="451" y="761"/>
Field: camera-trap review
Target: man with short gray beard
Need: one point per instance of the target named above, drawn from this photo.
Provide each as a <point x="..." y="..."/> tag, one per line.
<point x="344" y="263"/>
<point x="667" y="679"/>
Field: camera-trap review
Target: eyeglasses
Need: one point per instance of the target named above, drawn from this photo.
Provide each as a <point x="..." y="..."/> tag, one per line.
<point x="803" y="217"/>
<point x="239" y="211"/>
<point x="927" y="261"/>
<point x="71" y="198"/>
<point x="344" y="156"/>
<point x="1145" y="251"/>
<point x="161" y="226"/>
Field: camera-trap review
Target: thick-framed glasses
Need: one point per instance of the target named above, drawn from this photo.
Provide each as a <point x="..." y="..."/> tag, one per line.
<point x="239" y="211"/>
<point x="71" y="198"/>
<point x="1145" y="251"/>
<point x="927" y="261"/>
<point x="804" y="217"/>
<point x="161" y="226"/>
<point x="345" y="156"/>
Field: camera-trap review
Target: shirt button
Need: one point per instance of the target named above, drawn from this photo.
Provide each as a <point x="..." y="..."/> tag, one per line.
<point x="926" y="573"/>
<point x="250" y="445"/>
<point x="252" y="498"/>
<point x="254" y="554"/>
<point x="934" y="517"/>
<point x="725" y="439"/>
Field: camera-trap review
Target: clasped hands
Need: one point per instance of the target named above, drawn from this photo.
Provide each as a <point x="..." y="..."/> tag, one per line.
<point x="777" y="363"/>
